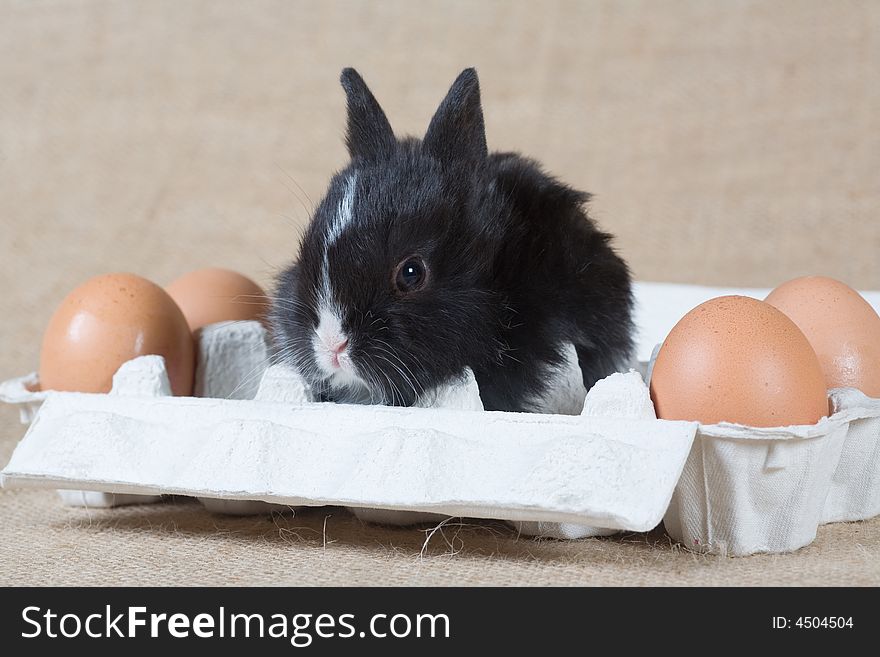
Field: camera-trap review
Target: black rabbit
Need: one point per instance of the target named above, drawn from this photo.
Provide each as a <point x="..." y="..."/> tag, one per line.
<point x="430" y="256"/>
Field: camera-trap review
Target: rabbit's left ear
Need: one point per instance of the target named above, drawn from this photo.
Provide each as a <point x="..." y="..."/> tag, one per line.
<point x="457" y="131"/>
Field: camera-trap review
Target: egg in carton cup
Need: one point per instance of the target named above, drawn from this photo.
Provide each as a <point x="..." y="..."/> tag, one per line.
<point x="766" y="488"/>
<point x="231" y="357"/>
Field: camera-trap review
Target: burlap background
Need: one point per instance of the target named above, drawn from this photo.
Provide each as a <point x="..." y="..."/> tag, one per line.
<point x="729" y="143"/>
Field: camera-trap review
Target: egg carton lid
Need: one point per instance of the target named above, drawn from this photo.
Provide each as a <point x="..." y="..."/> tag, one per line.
<point x="616" y="473"/>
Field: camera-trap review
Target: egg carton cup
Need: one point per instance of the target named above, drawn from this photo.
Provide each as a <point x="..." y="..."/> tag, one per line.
<point x="855" y="485"/>
<point x="746" y="490"/>
<point x="255" y="442"/>
<point x="23" y="392"/>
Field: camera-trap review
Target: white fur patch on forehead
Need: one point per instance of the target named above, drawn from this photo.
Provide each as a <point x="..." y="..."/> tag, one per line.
<point x="338" y="223"/>
<point x="344" y="211"/>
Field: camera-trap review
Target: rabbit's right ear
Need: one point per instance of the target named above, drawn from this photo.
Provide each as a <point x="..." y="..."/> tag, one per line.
<point x="369" y="135"/>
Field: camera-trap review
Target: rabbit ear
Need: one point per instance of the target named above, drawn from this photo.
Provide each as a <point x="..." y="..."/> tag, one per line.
<point x="457" y="132"/>
<point x="369" y="134"/>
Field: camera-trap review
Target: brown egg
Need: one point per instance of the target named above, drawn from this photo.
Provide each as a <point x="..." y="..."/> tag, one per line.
<point x="107" y="321"/>
<point x="207" y="296"/>
<point x="842" y="327"/>
<point x="737" y="359"/>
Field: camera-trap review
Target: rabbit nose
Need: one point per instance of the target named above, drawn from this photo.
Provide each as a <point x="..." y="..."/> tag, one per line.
<point x="339" y="347"/>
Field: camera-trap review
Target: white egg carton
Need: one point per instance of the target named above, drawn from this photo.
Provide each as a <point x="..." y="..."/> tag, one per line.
<point x="260" y="443"/>
<point x="252" y="439"/>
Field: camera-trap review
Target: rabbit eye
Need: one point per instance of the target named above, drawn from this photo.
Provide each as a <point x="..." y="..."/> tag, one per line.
<point x="410" y="275"/>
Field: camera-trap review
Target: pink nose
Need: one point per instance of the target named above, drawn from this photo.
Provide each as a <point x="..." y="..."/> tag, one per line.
<point x="339" y="347"/>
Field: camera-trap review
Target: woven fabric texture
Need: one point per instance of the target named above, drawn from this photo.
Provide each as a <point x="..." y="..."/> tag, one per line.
<point x="731" y="143"/>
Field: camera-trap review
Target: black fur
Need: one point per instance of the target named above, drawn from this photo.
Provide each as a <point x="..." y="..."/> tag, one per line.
<point x="516" y="268"/>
